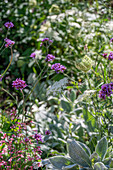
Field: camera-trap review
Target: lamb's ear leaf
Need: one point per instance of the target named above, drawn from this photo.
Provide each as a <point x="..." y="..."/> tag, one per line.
<point x="111" y="163"/>
<point x="102" y="147"/>
<point x="70" y="167"/>
<point x="85" y="147"/>
<point x="60" y="161"/>
<point x="99" y="166"/>
<point x="66" y="106"/>
<point x="78" y="154"/>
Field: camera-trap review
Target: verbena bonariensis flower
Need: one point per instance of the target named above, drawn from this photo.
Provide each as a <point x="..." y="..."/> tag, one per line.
<point x="110" y="57"/>
<point x="106" y="89"/>
<point x="19" y="84"/>
<point x="47" y="132"/>
<point x="58" y="67"/>
<point x="33" y="55"/>
<point x="38" y="137"/>
<point x="9" y="42"/>
<point x="50" y="57"/>
<point x="9" y="24"/>
<point x="111" y="85"/>
<point x="102" y="95"/>
<point x="105" y="55"/>
<point x="46" y="40"/>
<point x="111" y="40"/>
<point x="1" y="77"/>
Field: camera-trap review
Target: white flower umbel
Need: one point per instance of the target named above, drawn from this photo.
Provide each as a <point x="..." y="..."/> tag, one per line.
<point x="57" y="87"/>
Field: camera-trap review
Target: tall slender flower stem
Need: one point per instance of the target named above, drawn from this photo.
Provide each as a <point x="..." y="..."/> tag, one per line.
<point x="23" y="106"/>
<point x="38" y="64"/>
<point x="8" y="93"/>
<point x="69" y="77"/>
<point x="40" y="76"/>
<point x="3" y="51"/>
<point x="88" y="81"/>
<point x="97" y="74"/>
<point x="35" y="84"/>
<point x="24" y="114"/>
<point x="9" y="63"/>
<point x="4" y="41"/>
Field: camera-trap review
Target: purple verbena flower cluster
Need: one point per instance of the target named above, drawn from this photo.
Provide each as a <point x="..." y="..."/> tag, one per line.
<point x="46" y="40"/>
<point x="38" y="137"/>
<point x="1" y="77"/>
<point x="110" y="57"/>
<point x="50" y="57"/>
<point x="106" y="89"/>
<point x="33" y="55"/>
<point x="47" y="132"/>
<point x="9" y="24"/>
<point x="111" y="40"/>
<point x="9" y="43"/>
<point x="58" y="67"/>
<point x="105" y="55"/>
<point x="19" y="84"/>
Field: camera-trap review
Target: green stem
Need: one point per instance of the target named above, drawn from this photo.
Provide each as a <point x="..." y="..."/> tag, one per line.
<point x="97" y="74"/>
<point x="9" y="62"/>
<point x="88" y="81"/>
<point x="35" y="84"/>
<point x="3" y="51"/>
<point x="8" y="93"/>
<point x="38" y="64"/>
<point x="23" y="106"/>
<point x="69" y="77"/>
<point x="4" y="41"/>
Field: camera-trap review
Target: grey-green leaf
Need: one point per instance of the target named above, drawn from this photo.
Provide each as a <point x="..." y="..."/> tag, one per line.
<point x="102" y="147"/>
<point x="111" y="163"/>
<point x="70" y="167"/>
<point x="77" y="153"/>
<point x="99" y="166"/>
<point x="95" y="157"/>
<point x="87" y="150"/>
<point x="72" y="95"/>
<point x="60" y="161"/>
<point x="66" y="106"/>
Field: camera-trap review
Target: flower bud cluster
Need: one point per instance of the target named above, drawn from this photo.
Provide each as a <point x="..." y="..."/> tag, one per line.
<point x="46" y="41"/>
<point x="58" y="67"/>
<point x="1" y="78"/>
<point x="9" y="43"/>
<point x="19" y="84"/>
<point x="33" y="55"/>
<point x="9" y="24"/>
<point x="106" y="90"/>
<point x="49" y="57"/>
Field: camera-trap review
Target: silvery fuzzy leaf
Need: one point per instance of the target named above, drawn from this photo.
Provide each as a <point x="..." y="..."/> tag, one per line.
<point x="77" y="153"/>
<point x="99" y="166"/>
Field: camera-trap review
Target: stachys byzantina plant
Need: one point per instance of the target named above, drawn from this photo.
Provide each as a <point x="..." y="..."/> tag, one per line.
<point x="80" y="157"/>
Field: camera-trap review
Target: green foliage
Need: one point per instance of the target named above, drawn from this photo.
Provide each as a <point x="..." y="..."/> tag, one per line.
<point x="81" y="31"/>
<point x="81" y="158"/>
<point x="99" y="166"/>
<point x="60" y="161"/>
<point x="77" y="153"/>
<point x="66" y="106"/>
<point x="101" y="147"/>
